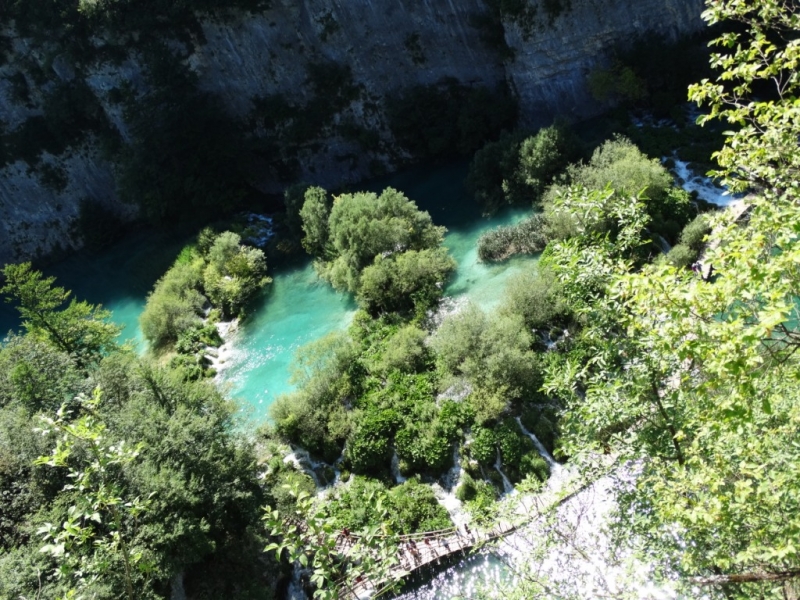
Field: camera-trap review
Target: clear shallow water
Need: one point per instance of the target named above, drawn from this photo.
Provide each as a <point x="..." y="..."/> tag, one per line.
<point x="301" y="308"/>
<point x="463" y="579"/>
<point x="119" y="278"/>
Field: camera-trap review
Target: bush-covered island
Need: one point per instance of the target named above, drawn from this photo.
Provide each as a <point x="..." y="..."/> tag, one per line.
<point x="128" y="476"/>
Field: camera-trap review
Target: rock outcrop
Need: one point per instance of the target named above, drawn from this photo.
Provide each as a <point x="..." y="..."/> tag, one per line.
<point x="386" y="45"/>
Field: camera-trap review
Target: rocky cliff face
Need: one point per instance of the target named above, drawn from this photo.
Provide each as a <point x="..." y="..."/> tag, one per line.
<point x="387" y="46"/>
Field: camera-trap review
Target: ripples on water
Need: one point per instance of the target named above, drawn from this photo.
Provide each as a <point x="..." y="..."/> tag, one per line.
<point x="461" y="578"/>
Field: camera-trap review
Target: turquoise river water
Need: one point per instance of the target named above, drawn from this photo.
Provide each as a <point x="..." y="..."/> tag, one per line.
<point x="298" y="307"/>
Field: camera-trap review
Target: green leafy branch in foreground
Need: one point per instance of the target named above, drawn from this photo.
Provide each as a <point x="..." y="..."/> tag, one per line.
<point x="339" y="560"/>
<point x="757" y="89"/>
<point x="100" y="517"/>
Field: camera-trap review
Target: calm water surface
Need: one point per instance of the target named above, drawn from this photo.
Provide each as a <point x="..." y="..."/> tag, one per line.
<point x="299" y="307"/>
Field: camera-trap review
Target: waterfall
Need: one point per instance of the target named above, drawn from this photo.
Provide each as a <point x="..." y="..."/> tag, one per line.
<point x="445" y="492"/>
<point x="498" y="464"/>
<point x="398" y="477"/>
<point x="551" y="462"/>
<point x="453" y="476"/>
<point x="302" y="460"/>
<point x="177" y="591"/>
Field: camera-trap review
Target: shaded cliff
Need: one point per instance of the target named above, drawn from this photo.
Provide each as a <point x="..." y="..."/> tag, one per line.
<point x="309" y="83"/>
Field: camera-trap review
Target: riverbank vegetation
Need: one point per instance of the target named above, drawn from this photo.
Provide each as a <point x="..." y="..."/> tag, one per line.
<point x="119" y="477"/>
<point x="213" y="279"/>
<point x="624" y="169"/>
<point x="138" y="479"/>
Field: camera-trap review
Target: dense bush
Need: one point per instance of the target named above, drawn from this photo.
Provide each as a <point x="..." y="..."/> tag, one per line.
<point x="492" y="177"/>
<point x="405" y="351"/>
<point x="314" y="416"/>
<point x="483" y="447"/>
<point x="681" y="256"/>
<point x="363" y="226"/>
<point x="193" y="468"/>
<point x="369" y="448"/>
<point x="536" y="296"/>
<point x="621" y="165"/>
<point x="408" y="508"/>
<point x="526" y="237"/>
<point x="695" y="232"/>
<point x="517" y="168"/>
<point x="227" y="273"/>
<point x="406" y="282"/>
<point x="233" y="274"/>
<point x="492" y="354"/>
<point x="688" y="248"/>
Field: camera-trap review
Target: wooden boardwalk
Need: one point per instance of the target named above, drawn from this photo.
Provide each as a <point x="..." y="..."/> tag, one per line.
<point x="418" y="550"/>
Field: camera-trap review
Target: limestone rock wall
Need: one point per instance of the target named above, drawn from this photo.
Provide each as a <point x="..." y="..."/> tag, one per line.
<point x="551" y="64"/>
<point x="388" y="45"/>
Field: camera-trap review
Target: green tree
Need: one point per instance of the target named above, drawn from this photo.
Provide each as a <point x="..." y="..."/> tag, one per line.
<point x="364" y="225"/>
<point x="620" y="165"/>
<point x="234" y="273"/>
<point x="100" y="499"/>
<point x="697" y="379"/>
<point x="492" y="354"/>
<point x="78" y="328"/>
<point x="174" y="305"/>
<point x="314" y="215"/>
<point x="517" y="168"/>
<point x="413" y="280"/>
<point x="311" y="538"/>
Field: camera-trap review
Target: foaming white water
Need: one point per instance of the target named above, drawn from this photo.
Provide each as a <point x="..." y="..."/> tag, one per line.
<point x="295" y="590"/>
<point x="703" y="185"/>
<point x="508" y="488"/>
<point x="221" y="358"/>
<point x="302" y="461"/>
<point x="448" y="306"/>
<point x="571" y="552"/>
<point x="539" y="447"/>
<point x="445" y="492"/>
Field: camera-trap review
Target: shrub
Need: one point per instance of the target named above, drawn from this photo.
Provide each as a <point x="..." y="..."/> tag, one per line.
<point x="405" y="351"/>
<point x="527" y="237"/>
<point x="466" y="490"/>
<point x="491" y="354"/>
<point x="234" y="274"/>
<point x="492" y="169"/>
<point x="533" y="464"/>
<point x="411" y="281"/>
<point x="484" y="446"/>
<point x="516" y="169"/>
<point x="361" y="226"/>
<point x="681" y="256"/>
<point x="369" y="449"/>
<point x="536" y="296"/>
<point x="618" y="163"/>
<point x="693" y="235"/>
<point x="407" y="508"/>
<point x="173" y="306"/>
